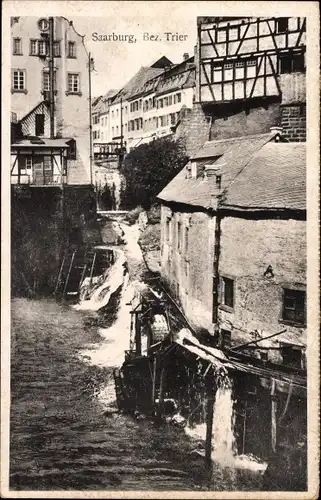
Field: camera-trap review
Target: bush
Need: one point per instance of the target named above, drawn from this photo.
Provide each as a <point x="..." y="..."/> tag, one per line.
<point x="149" y="168"/>
<point x="154" y="214"/>
<point x="132" y="216"/>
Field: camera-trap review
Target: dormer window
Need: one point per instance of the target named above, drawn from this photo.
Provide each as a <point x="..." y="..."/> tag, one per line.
<point x="218" y="179"/>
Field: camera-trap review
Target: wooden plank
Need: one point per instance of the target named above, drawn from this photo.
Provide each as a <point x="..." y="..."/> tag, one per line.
<point x="209" y="427"/>
<point x="273" y="416"/>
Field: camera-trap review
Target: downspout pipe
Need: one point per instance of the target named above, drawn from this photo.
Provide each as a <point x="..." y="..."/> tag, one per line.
<point x="51" y="77"/>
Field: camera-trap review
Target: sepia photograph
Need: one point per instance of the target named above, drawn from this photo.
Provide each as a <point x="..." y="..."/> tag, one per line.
<point x="160" y="336"/>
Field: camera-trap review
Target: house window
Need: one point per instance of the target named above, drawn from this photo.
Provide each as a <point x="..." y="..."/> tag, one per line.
<point x="33" y="47"/>
<point x="186" y="240"/>
<point x="179" y="235"/>
<point x="291" y="355"/>
<point x="73" y="83"/>
<point x="43" y="24"/>
<point x="170" y="100"/>
<point x="40" y="124"/>
<point x="227" y="292"/>
<point x="56" y="49"/>
<point x="233" y="33"/>
<point x="42" y="48"/>
<point x="19" y="79"/>
<point x="293" y="307"/>
<point x="291" y="63"/>
<point x="46" y="81"/>
<point x="281" y="24"/>
<point x="179" y="97"/>
<point x="28" y="162"/>
<point x="72" y="49"/>
<point x="221" y="35"/>
<point x="17" y="47"/>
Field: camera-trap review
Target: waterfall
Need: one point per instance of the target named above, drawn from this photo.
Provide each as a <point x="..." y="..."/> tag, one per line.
<point x="111" y="178"/>
<point x="223" y="440"/>
<point x="100" y="289"/>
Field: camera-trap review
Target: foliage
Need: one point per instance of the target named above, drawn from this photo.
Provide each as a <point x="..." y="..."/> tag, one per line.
<point x="154" y="214"/>
<point x="132" y="216"/>
<point x="149" y="168"/>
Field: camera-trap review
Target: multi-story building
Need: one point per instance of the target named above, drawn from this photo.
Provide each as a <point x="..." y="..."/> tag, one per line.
<point x="250" y="74"/>
<point x="53" y="197"/>
<point x="50" y="98"/>
<point x="246" y="193"/>
<point x="149" y="105"/>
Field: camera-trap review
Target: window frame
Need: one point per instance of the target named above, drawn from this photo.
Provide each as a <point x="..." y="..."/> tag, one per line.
<point x="222" y="298"/>
<point x="43" y="20"/>
<point x="24" y="89"/>
<point x="72" y="54"/>
<point x="290" y="58"/>
<point x="35" y="42"/>
<point x="19" y="52"/>
<point x="294" y="322"/>
<point x="73" y="92"/>
<point x="277" y="21"/>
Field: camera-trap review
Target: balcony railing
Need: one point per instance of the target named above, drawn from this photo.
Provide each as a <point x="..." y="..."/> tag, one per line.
<point x="38" y="180"/>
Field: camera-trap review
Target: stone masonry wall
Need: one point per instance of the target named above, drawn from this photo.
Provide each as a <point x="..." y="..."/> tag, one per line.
<point x="258" y="299"/>
<point x="187" y="268"/>
<point x="293" y="122"/>
<point x="194" y="128"/>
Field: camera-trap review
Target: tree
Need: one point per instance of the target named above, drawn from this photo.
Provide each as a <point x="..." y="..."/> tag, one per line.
<point x="149" y="168"/>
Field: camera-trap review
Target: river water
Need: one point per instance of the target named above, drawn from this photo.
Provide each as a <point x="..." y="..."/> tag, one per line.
<point x="65" y="430"/>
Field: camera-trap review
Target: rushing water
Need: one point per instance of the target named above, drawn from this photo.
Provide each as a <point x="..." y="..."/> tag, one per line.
<point x="66" y="432"/>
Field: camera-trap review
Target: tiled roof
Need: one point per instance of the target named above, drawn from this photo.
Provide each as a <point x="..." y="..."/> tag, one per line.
<point x="136" y="84"/>
<point x="233" y="155"/>
<point x="274" y="178"/>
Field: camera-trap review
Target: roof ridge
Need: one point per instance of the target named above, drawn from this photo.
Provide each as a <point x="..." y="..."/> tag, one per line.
<point x="241" y="137"/>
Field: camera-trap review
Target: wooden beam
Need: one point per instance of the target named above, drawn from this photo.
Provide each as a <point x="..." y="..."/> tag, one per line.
<point x="273" y="416"/>
<point x="208" y="81"/>
<point x="302" y="30"/>
<point x="264" y="78"/>
<point x="256" y="77"/>
<point x="212" y="41"/>
<point x="242" y="39"/>
<point x="274" y="74"/>
<point x="272" y="35"/>
<point x="209" y="424"/>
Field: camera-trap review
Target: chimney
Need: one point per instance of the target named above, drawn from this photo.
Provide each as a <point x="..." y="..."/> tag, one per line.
<point x="185" y="56"/>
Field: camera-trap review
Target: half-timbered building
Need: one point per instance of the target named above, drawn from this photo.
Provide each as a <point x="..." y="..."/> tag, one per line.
<point x="247" y="63"/>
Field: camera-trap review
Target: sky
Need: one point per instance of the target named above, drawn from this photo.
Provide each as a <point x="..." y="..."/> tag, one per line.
<point x="117" y="61"/>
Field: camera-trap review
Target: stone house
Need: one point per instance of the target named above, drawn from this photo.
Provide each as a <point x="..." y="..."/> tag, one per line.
<point x="233" y="244"/>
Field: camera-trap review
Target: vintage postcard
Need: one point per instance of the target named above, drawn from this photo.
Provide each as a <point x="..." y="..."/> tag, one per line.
<point x="160" y="249"/>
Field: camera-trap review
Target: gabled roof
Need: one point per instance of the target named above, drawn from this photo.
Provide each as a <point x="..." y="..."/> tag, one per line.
<point x="274" y="178"/>
<point x="229" y="155"/>
<point x="163" y="62"/>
